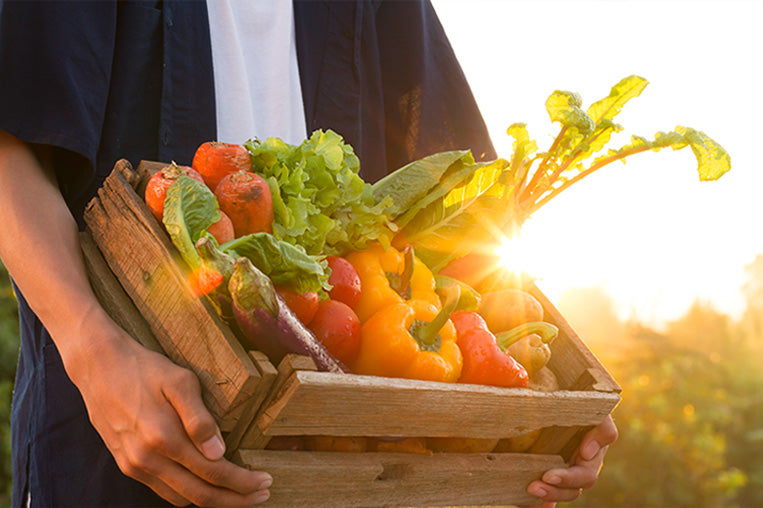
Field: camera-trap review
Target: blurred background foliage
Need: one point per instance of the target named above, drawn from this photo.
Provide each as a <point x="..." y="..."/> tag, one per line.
<point x="691" y="418"/>
<point x="9" y="347"/>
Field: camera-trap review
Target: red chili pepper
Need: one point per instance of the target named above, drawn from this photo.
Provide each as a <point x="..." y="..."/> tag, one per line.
<point x="485" y="363"/>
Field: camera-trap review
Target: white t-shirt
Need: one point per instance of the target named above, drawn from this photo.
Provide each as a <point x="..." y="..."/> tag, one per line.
<point x="256" y="76"/>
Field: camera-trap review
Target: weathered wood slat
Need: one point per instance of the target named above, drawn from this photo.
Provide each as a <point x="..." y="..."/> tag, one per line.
<point x="268" y="375"/>
<point x="320" y="479"/>
<point x="255" y="438"/>
<point x="113" y="298"/>
<point x="144" y="261"/>
<point x="350" y="405"/>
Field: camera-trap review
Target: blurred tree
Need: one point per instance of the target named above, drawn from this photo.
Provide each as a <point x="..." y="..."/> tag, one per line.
<point x="691" y="427"/>
<point x="591" y="313"/>
<point x="9" y="345"/>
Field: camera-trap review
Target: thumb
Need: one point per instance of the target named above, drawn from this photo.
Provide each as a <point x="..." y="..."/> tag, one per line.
<point x="185" y="398"/>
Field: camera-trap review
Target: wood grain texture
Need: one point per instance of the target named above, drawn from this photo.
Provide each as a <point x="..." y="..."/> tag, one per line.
<point x="255" y="437"/>
<point x="320" y="479"/>
<point x="268" y="374"/>
<point x="113" y="298"/>
<point x="142" y="258"/>
<point x="351" y="405"/>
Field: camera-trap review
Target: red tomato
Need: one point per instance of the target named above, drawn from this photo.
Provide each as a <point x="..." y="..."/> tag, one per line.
<point x="345" y="281"/>
<point x="303" y="305"/>
<point x="156" y="188"/>
<point x="337" y="326"/>
<point x="222" y="230"/>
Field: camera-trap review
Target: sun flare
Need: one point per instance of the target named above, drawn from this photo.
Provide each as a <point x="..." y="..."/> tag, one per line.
<point x="523" y="255"/>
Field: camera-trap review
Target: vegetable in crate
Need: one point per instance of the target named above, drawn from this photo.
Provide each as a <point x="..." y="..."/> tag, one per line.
<point x="337" y="327"/>
<point x="214" y="160"/>
<point x="320" y="202"/>
<point x="304" y="305"/>
<point x="390" y="276"/>
<point x="245" y="197"/>
<point x="268" y="324"/>
<point x="344" y="281"/>
<point x="508" y="308"/>
<point x="410" y="340"/>
<point x="485" y="361"/>
<point x="529" y="343"/>
<point x="157" y="185"/>
<point x="448" y="206"/>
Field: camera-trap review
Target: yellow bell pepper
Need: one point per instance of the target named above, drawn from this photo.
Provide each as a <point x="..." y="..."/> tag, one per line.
<point x="390" y="276"/>
<point x="410" y="340"/>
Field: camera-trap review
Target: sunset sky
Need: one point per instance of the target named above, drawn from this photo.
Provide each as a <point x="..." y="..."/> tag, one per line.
<point x="648" y="231"/>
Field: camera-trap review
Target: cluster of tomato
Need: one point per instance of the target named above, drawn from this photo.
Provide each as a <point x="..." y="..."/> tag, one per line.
<point x="246" y="205"/>
<point x="332" y="320"/>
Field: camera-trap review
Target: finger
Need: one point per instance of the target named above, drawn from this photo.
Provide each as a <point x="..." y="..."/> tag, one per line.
<point x="185" y="396"/>
<point x="180" y="448"/>
<point x="600" y="436"/>
<point x="194" y="489"/>
<point x="225" y="474"/>
<point x="551" y="493"/>
<point x="582" y="475"/>
<point x="153" y="482"/>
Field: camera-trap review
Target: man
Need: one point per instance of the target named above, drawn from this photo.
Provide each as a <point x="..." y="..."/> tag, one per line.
<point x="97" y="419"/>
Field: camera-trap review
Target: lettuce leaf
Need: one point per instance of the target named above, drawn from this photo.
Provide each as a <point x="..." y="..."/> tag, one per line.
<point x="189" y="209"/>
<point x="320" y="202"/>
<point x="409" y="184"/>
<point x="286" y="264"/>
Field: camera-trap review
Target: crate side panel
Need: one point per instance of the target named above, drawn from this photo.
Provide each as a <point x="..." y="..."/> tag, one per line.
<point x="140" y="256"/>
<point x="351" y="405"/>
<point x="312" y="479"/>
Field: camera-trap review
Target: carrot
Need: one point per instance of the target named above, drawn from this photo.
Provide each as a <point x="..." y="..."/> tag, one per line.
<point x="245" y="197"/>
<point x="213" y="160"/>
<point x="157" y="185"/>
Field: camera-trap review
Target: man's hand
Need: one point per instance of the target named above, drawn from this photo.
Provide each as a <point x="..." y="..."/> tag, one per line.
<point x="150" y="414"/>
<point x="567" y="484"/>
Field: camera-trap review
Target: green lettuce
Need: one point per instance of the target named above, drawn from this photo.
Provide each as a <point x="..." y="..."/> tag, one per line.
<point x="319" y="200"/>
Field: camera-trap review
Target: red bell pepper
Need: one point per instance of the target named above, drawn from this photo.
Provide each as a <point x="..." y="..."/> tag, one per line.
<point x="485" y="363"/>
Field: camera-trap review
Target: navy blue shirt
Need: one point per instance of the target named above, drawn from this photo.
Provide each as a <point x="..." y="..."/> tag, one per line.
<point x="99" y="81"/>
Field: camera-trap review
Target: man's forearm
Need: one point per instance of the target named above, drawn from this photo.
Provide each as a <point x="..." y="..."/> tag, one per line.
<point x="39" y="246"/>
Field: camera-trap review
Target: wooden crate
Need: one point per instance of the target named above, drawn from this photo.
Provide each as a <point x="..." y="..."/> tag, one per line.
<point x="141" y="281"/>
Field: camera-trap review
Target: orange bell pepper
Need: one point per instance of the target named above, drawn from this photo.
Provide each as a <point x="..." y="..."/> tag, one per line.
<point x="410" y="340"/>
<point x="390" y="276"/>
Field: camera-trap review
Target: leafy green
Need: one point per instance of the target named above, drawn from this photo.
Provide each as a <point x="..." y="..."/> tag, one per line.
<point x="409" y="184"/>
<point x="457" y="205"/>
<point x="450" y="222"/>
<point x="286" y="264"/>
<point x="320" y="202"/>
<point x="189" y="209"/>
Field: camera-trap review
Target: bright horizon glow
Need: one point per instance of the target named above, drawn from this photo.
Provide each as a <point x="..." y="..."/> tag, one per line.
<point x="648" y="232"/>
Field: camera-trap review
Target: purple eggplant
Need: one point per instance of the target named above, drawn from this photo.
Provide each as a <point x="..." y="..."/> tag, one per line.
<point x="268" y="324"/>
